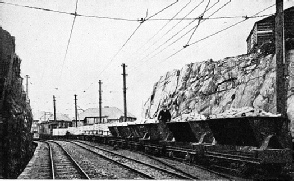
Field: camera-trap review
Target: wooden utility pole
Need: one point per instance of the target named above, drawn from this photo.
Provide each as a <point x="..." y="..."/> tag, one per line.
<point x="100" y="101"/>
<point x="76" y="111"/>
<point x="54" y="108"/>
<point x="280" y="60"/>
<point x="27" y="86"/>
<point x="124" y="91"/>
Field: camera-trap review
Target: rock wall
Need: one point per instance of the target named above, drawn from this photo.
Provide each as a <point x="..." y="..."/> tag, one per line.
<point x="15" y="115"/>
<point x="212" y="87"/>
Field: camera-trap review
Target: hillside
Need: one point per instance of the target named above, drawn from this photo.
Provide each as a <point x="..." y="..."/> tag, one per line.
<point x="213" y="87"/>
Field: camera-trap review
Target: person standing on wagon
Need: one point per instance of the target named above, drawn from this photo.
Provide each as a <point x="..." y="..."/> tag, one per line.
<point x="164" y="116"/>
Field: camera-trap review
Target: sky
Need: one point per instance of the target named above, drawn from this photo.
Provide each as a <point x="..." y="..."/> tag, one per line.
<point x="64" y="59"/>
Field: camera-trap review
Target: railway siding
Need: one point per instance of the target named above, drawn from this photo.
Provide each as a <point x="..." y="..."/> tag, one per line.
<point x="200" y="173"/>
<point x="96" y="167"/>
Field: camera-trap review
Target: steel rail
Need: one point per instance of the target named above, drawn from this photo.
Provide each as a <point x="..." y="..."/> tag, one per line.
<point x="191" y="164"/>
<point x="182" y="176"/>
<point x="109" y="159"/>
<point x="72" y="160"/>
<point x="51" y="161"/>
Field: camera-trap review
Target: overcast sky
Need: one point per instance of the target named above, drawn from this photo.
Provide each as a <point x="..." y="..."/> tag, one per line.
<point x="99" y="46"/>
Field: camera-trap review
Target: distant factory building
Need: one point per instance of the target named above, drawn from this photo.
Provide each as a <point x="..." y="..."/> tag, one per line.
<point x="109" y="115"/>
<point x="263" y="31"/>
<point x="62" y="121"/>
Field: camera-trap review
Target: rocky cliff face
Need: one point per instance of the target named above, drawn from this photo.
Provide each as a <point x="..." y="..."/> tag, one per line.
<point x="16" y="146"/>
<point x="212" y="87"/>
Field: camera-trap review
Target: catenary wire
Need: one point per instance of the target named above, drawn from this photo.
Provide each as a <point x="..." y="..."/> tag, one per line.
<point x="117" y="18"/>
<point x="199" y="20"/>
<point x="172" y="37"/>
<point x="168" y="21"/>
<point x="186" y="34"/>
<point x="68" y="42"/>
<point x="177" y="34"/>
<point x="129" y="39"/>
<point x="235" y="24"/>
<point x="174" y="26"/>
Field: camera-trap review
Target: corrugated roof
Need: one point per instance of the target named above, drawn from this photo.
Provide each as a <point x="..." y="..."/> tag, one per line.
<point x="60" y="116"/>
<point x="109" y="112"/>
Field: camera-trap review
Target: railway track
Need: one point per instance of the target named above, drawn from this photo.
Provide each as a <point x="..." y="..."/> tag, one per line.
<point x="63" y="166"/>
<point x="150" y="171"/>
<point x="175" y="164"/>
<point x="225" y="176"/>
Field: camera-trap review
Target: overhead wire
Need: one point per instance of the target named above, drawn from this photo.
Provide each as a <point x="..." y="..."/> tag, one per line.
<point x="178" y="33"/>
<point x="68" y="42"/>
<point x="174" y="26"/>
<point x="174" y="35"/>
<point x="188" y="32"/>
<point x="235" y="24"/>
<point x="116" y="18"/>
<point x="199" y="20"/>
<point x="168" y="21"/>
<point x="142" y="21"/>
<point x="162" y="10"/>
<point x="38" y="8"/>
<point x="180" y="19"/>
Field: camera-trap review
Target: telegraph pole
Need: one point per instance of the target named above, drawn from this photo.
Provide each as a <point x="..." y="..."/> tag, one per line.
<point x="281" y="88"/>
<point x="124" y="91"/>
<point x="100" y="101"/>
<point x="27" y="86"/>
<point x="54" y="108"/>
<point x="76" y="110"/>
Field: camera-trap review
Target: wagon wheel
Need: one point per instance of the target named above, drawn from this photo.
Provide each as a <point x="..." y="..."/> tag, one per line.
<point x="188" y="157"/>
<point x="171" y="154"/>
<point x="146" y="149"/>
<point x="135" y="147"/>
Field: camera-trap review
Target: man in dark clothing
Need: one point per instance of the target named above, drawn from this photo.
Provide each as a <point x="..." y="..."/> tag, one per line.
<point x="164" y="115"/>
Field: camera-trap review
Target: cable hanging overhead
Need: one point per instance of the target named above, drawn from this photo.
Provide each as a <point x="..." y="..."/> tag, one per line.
<point x="199" y="20"/>
<point x="175" y="26"/>
<point x="142" y="20"/>
<point x="235" y="24"/>
<point x="177" y="34"/>
<point x="68" y="42"/>
<point x="168" y="21"/>
<point x="118" y="18"/>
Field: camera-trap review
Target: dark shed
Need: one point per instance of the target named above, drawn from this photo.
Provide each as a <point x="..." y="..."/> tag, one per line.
<point x="263" y="30"/>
